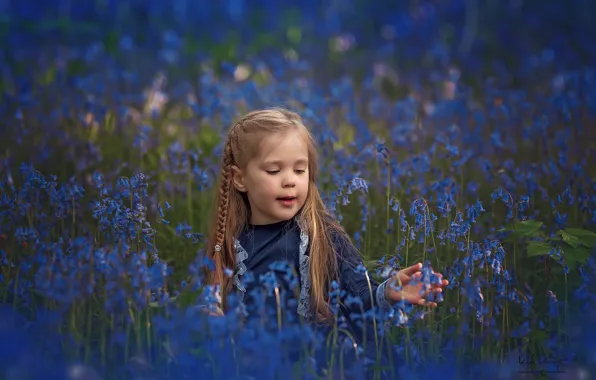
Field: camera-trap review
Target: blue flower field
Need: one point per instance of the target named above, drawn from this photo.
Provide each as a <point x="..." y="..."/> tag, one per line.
<point x="457" y="133"/>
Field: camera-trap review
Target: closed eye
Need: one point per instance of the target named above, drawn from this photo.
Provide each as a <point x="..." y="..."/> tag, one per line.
<point x="297" y="171"/>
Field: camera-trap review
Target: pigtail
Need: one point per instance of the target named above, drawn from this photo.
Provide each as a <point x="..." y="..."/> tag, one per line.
<point x="228" y="216"/>
<point x="222" y="206"/>
<point x="216" y="250"/>
<point x="224" y="194"/>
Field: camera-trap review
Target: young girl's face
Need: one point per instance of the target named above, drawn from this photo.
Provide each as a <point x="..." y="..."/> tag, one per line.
<point x="276" y="181"/>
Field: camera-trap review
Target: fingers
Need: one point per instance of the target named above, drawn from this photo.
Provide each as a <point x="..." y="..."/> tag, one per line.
<point x="415" y="290"/>
<point x="424" y="302"/>
<point x="428" y="289"/>
<point x="409" y="271"/>
<point x="413" y="272"/>
<point x="417" y="279"/>
<point x="419" y="292"/>
<point x="425" y="292"/>
<point x="440" y="277"/>
<point x="403" y="278"/>
<point x="443" y="282"/>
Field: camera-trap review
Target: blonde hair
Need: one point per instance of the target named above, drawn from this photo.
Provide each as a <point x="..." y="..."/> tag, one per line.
<point x="232" y="210"/>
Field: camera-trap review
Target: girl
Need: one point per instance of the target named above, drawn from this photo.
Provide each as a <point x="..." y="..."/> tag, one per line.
<point x="269" y="211"/>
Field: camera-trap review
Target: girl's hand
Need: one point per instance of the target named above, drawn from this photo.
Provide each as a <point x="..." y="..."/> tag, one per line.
<point x="411" y="283"/>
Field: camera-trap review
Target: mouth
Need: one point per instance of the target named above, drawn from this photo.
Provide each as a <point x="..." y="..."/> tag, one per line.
<point x="289" y="198"/>
<point x="287" y="201"/>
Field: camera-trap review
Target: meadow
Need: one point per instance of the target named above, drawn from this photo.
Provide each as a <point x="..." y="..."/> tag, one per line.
<point x="455" y="133"/>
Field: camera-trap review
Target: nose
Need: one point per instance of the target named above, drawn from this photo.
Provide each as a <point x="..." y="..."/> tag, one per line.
<point x="289" y="180"/>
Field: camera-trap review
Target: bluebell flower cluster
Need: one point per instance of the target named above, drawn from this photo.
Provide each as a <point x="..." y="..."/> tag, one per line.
<point x="466" y="148"/>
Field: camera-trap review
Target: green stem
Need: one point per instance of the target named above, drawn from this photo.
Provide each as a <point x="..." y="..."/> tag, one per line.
<point x="88" y="334"/>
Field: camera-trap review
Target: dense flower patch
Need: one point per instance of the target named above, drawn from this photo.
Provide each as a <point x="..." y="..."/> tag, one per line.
<point x="479" y="166"/>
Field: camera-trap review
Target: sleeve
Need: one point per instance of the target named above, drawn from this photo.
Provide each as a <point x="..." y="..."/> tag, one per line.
<point x="354" y="279"/>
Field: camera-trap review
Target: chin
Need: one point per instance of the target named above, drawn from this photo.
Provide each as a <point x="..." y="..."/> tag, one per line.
<point x="286" y="216"/>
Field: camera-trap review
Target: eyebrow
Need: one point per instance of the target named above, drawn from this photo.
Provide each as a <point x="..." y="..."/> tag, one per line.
<point x="277" y="162"/>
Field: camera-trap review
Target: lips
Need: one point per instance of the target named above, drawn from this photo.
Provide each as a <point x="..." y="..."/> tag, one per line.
<point x="287" y="201"/>
<point x="288" y="198"/>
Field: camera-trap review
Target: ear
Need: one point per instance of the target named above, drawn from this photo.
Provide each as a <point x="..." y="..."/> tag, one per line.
<point x="238" y="179"/>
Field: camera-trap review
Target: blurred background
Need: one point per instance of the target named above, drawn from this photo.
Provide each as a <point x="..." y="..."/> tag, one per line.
<point x="479" y="36"/>
<point x="470" y="121"/>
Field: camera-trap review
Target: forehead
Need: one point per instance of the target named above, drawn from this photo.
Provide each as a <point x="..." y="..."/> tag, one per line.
<point x="286" y="147"/>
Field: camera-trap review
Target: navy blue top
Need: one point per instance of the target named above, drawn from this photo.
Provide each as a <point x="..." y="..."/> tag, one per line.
<point x="273" y="260"/>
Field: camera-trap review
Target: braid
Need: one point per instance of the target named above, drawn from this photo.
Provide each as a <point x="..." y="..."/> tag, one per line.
<point x="224" y="192"/>
<point x="221" y="249"/>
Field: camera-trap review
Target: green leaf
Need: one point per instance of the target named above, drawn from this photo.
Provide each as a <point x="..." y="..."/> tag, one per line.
<point x="521" y="229"/>
<point x="576" y="255"/>
<point x="579" y="236"/>
<point x="538" y="248"/>
<point x="569" y="239"/>
<point x="188" y="298"/>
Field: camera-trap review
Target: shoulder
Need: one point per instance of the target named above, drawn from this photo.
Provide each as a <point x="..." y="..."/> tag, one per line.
<point x="334" y="230"/>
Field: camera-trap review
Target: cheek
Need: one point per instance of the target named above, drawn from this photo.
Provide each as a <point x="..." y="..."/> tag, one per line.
<point x="304" y="183"/>
<point x="267" y="186"/>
